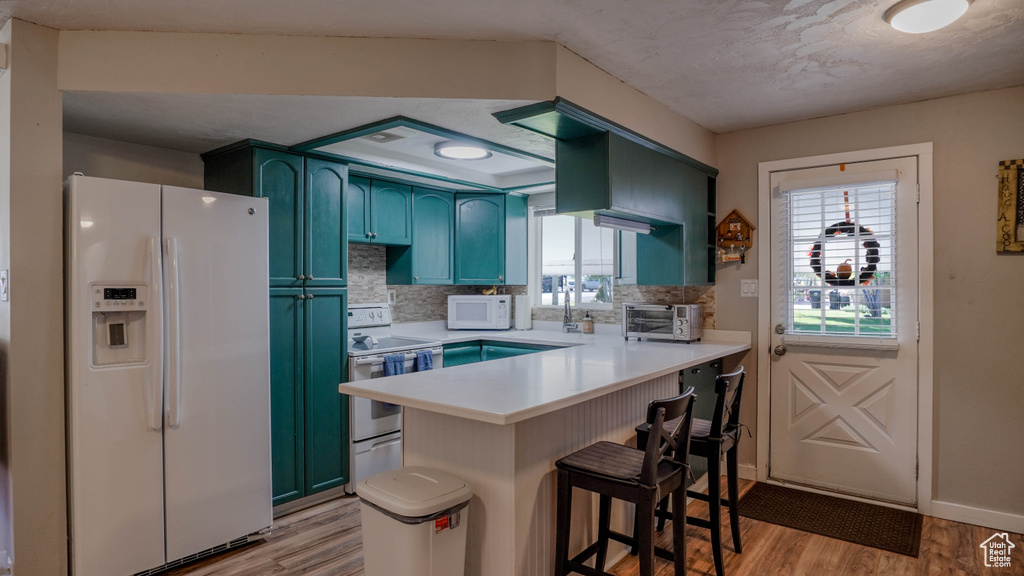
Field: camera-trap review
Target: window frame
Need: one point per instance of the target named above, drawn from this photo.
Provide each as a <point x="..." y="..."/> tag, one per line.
<point x="535" y="261"/>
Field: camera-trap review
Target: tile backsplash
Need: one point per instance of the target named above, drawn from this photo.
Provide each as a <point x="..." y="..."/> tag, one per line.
<point x="367" y="283"/>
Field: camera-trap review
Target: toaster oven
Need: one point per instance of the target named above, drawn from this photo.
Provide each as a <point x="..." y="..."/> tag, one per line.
<point x="679" y="322"/>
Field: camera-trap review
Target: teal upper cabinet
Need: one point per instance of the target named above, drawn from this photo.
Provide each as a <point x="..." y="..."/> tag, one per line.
<point x="308" y="244"/>
<point x="278" y="177"/>
<point x="515" y="240"/>
<point x="479" y="238"/>
<point x="380" y="212"/>
<point x="431" y="257"/>
<point x="357" y="201"/>
<point x="326" y="242"/>
<point x="659" y="257"/>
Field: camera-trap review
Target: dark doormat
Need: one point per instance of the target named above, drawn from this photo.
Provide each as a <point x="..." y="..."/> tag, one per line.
<point x="865" y="524"/>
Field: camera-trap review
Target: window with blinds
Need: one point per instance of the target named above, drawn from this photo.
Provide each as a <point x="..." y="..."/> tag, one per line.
<point x="841" y="272"/>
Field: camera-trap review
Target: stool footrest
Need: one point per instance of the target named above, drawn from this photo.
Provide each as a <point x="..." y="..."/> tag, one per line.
<point x="705" y="498"/>
<point x="699" y="522"/>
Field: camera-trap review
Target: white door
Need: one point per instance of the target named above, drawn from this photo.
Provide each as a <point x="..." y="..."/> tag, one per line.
<point x="844" y="296"/>
<point x="115" y="457"/>
<point x="217" y="435"/>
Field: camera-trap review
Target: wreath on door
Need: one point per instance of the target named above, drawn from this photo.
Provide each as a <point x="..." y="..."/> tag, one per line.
<point x="843" y="276"/>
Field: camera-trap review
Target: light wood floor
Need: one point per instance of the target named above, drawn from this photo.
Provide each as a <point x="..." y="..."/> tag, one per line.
<point x="326" y="540"/>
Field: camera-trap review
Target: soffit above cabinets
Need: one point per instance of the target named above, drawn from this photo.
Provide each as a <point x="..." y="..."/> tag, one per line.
<point x="406" y="147"/>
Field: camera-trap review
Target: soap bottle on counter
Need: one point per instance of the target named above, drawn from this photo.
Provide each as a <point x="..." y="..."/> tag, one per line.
<point x="588" y="324"/>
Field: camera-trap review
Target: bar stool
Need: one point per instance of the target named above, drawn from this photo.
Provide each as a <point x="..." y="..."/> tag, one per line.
<point x="642" y="476"/>
<point x="709" y="439"/>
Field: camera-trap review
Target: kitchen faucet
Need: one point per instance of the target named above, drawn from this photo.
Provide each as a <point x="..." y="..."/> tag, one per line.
<point x="567" y="324"/>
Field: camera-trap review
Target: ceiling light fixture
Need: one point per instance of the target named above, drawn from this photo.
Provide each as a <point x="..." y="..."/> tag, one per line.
<point x="919" y="16"/>
<point x="460" y="151"/>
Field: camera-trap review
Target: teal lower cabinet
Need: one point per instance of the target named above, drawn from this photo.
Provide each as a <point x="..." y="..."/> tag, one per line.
<point x="495" y="350"/>
<point x="326" y="411"/>
<point x="308" y="417"/>
<point x="286" y="394"/>
<point x="702" y="378"/>
<point x="483" y="350"/>
<point x="461" y="353"/>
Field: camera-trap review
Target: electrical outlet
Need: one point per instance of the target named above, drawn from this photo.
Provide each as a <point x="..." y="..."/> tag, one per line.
<point x="392" y="298"/>
<point x="4" y="293"/>
<point x="748" y="288"/>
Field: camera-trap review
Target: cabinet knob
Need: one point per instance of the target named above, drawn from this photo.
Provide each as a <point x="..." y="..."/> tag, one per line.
<point x="368" y="235"/>
<point x="501" y="278"/>
<point x="301" y="277"/>
<point x="310" y="296"/>
<point x="415" y="277"/>
<point x="374" y="235"/>
<point x="301" y="297"/>
<point x="310" y="277"/>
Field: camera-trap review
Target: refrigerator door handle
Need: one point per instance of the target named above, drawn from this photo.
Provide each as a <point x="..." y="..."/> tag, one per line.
<point x="173" y="336"/>
<point x="156" y="396"/>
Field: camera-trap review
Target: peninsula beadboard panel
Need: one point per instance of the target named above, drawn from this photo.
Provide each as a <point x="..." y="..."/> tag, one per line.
<point x="512" y="471"/>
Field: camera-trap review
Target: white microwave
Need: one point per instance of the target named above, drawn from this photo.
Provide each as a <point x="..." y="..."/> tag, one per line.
<point x="478" y="312"/>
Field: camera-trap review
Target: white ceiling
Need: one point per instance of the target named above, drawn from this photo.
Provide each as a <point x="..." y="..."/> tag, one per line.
<point x="726" y="64"/>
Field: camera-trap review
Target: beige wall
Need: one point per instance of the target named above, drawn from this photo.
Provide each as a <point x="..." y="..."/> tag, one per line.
<point x="34" y="368"/>
<point x="6" y="521"/>
<point x="978" y="315"/>
<point x="247" y="64"/>
<point x="103" y="158"/>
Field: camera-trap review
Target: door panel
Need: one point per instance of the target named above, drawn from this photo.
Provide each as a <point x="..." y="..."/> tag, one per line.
<point x="279" y="179"/>
<point x="326" y="438"/>
<point x="391" y="214"/>
<point x="217" y="450"/>
<point x="286" y="393"/>
<point x="433" y="241"/>
<point x="844" y="367"/>
<point x="357" y="204"/>
<point x="480" y="239"/>
<point x="326" y="236"/>
<point x="115" y="457"/>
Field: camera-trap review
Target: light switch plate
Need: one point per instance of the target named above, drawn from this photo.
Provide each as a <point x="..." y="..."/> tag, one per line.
<point x="4" y="293"/>
<point x="748" y="288"/>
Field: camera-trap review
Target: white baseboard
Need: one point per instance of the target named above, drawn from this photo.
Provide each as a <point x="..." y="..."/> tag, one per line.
<point x="978" y="516"/>
<point x="747" y="471"/>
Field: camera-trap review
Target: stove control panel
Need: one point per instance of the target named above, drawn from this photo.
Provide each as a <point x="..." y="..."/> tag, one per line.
<point x="361" y="316"/>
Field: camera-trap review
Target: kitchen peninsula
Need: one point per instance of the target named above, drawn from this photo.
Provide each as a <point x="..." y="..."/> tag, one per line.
<point x="502" y="424"/>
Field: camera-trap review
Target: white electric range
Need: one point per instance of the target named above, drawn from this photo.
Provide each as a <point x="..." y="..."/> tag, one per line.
<point x="375" y="428"/>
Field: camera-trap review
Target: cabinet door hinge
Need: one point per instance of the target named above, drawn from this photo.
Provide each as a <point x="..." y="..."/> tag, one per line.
<point x="918" y="330"/>
<point x="918" y="193"/>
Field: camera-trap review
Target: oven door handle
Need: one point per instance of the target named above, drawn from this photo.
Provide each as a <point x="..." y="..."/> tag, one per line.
<point x="380" y="359"/>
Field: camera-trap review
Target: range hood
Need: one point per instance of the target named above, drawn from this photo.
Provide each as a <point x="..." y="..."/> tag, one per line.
<point x="605" y="169"/>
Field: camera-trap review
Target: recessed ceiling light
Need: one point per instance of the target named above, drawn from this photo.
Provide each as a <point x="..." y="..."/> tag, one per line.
<point x="460" y="151"/>
<point x="919" y="16"/>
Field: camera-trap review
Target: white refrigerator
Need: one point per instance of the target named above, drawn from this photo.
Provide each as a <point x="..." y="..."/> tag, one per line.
<point x="168" y="386"/>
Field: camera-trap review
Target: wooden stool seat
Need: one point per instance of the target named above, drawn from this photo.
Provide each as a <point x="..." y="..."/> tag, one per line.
<point x="638" y="475"/>
<point x="710" y="439"/>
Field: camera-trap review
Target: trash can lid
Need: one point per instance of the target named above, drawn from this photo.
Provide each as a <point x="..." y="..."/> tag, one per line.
<point x="414" y="491"/>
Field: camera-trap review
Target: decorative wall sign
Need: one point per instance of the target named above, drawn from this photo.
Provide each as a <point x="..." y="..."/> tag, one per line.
<point x="1010" y="222"/>
<point x="735" y="237"/>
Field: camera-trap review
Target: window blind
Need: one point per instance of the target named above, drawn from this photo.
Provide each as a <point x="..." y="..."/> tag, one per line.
<point x="838" y="261"/>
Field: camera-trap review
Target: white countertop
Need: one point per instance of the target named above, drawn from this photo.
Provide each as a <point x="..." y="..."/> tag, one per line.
<point x="510" y="390"/>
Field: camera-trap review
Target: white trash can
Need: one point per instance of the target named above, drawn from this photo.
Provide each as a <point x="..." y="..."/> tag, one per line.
<point x="414" y="522"/>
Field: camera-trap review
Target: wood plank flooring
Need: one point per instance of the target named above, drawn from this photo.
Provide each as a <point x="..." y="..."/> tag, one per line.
<point x="326" y="540"/>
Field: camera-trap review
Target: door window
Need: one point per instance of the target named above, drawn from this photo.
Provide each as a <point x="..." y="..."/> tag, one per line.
<point x="840" y="268"/>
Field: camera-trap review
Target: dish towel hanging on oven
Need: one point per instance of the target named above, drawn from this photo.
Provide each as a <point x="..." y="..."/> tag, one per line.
<point x="424" y="360"/>
<point x="394" y="364"/>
